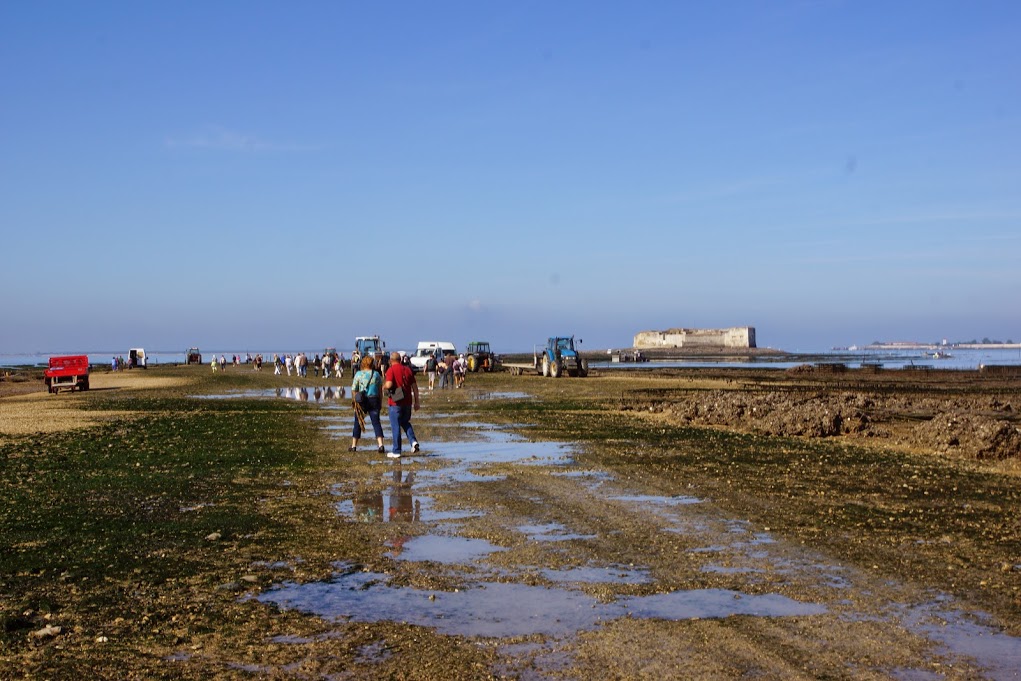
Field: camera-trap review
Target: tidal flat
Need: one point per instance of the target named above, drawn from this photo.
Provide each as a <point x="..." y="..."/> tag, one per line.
<point x="683" y="523"/>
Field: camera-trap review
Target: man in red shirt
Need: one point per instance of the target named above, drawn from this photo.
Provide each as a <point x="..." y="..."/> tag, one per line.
<point x="400" y="376"/>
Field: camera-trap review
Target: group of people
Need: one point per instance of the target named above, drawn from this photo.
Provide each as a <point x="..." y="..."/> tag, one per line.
<point x="331" y="364"/>
<point x="450" y="369"/>
<point x="220" y="364"/>
<point x="397" y="385"/>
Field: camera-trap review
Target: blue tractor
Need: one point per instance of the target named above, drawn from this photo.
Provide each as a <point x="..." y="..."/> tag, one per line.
<point x="560" y="356"/>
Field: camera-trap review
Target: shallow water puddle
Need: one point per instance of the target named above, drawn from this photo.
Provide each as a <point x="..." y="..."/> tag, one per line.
<point x="505" y="609"/>
<point x="509" y="395"/>
<point x="440" y="549"/>
<point x="551" y="532"/>
<point x="968" y="634"/>
<point x="598" y="575"/>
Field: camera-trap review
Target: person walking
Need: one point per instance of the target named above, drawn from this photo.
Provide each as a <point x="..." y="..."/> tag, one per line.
<point x="448" y="362"/>
<point x="460" y="366"/>
<point x="430" y="370"/>
<point x="401" y="384"/>
<point x="370" y="382"/>
<point x="327" y="361"/>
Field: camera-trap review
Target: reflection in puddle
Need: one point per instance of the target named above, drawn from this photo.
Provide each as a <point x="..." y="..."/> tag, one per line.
<point x="503" y="610"/>
<point x="398" y="505"/>
<point x="301" y="394"/>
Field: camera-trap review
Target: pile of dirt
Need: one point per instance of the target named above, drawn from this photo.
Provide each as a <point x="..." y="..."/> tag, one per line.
<point x="972" y="427"/>
<point x="973" y="435"/>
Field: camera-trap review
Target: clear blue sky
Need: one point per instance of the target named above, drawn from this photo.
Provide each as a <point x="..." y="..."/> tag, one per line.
<point x="290" y="175"/>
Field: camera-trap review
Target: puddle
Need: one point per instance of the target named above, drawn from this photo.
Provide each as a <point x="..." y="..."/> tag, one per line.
<point x="510" y="395"/>
<point x="507" y="451"/>
<point x="716" y="603"/>
<point x="967" y="634"/>
<point x="652" y="500"/>
<point x="598" y="575"/>
<point x="722" y="570"/>
<point x="505" y="609"/>
<point x="447" y="550"/>
<point x="551" y="532"/>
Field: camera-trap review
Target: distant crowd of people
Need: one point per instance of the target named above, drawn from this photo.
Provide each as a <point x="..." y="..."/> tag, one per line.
<point x="330" y="365"/>
<point x="221" y="363"/>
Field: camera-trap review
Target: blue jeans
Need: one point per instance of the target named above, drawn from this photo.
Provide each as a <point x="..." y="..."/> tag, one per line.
<point x="372" y="410"/>
<point x="400" y="419"/>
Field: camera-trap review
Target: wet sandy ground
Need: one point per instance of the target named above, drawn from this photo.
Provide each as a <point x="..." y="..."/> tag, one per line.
<point x="26" y="407"/>
<point x="561" y="569"/>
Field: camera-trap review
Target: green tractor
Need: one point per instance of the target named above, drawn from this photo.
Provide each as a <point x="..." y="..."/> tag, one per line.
<point x="480" y="357"/>
<point x="560" y="357"/>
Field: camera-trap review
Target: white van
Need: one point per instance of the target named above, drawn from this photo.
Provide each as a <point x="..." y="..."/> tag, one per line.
<point x="427" y="349"/>
<point x="137" y="358"/>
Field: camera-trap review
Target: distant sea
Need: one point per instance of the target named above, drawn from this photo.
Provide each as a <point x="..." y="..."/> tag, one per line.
<point x="948" y="358"/>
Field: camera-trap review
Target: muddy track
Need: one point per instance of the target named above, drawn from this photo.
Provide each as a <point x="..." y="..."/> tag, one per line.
<point x="610" y="575"/>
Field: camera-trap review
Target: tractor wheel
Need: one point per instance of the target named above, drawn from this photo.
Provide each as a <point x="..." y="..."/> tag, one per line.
<point x="554" y="370"/>
<point x="583" y="368"/>
<point x="473" y="363"/>
<point x="545" y="365"/>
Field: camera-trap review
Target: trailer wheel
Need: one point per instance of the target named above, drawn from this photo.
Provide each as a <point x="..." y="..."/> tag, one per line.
<point x="84" y="385"/>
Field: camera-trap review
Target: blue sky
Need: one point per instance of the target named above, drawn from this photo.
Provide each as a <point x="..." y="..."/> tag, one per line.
<point x="290" y="175"/>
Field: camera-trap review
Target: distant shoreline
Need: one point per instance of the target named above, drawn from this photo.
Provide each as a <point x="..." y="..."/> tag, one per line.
<point x="908" y="345"/>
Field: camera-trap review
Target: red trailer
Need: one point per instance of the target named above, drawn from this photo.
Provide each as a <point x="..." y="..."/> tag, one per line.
<point x="68" y="372"/>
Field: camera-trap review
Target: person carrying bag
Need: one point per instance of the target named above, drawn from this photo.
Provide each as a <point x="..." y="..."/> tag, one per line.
<point x="367" y="399"/>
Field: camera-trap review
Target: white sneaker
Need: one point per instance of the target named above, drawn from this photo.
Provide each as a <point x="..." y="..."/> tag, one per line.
<point x="414" y="447"/>
<point x="393" y="455"/>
